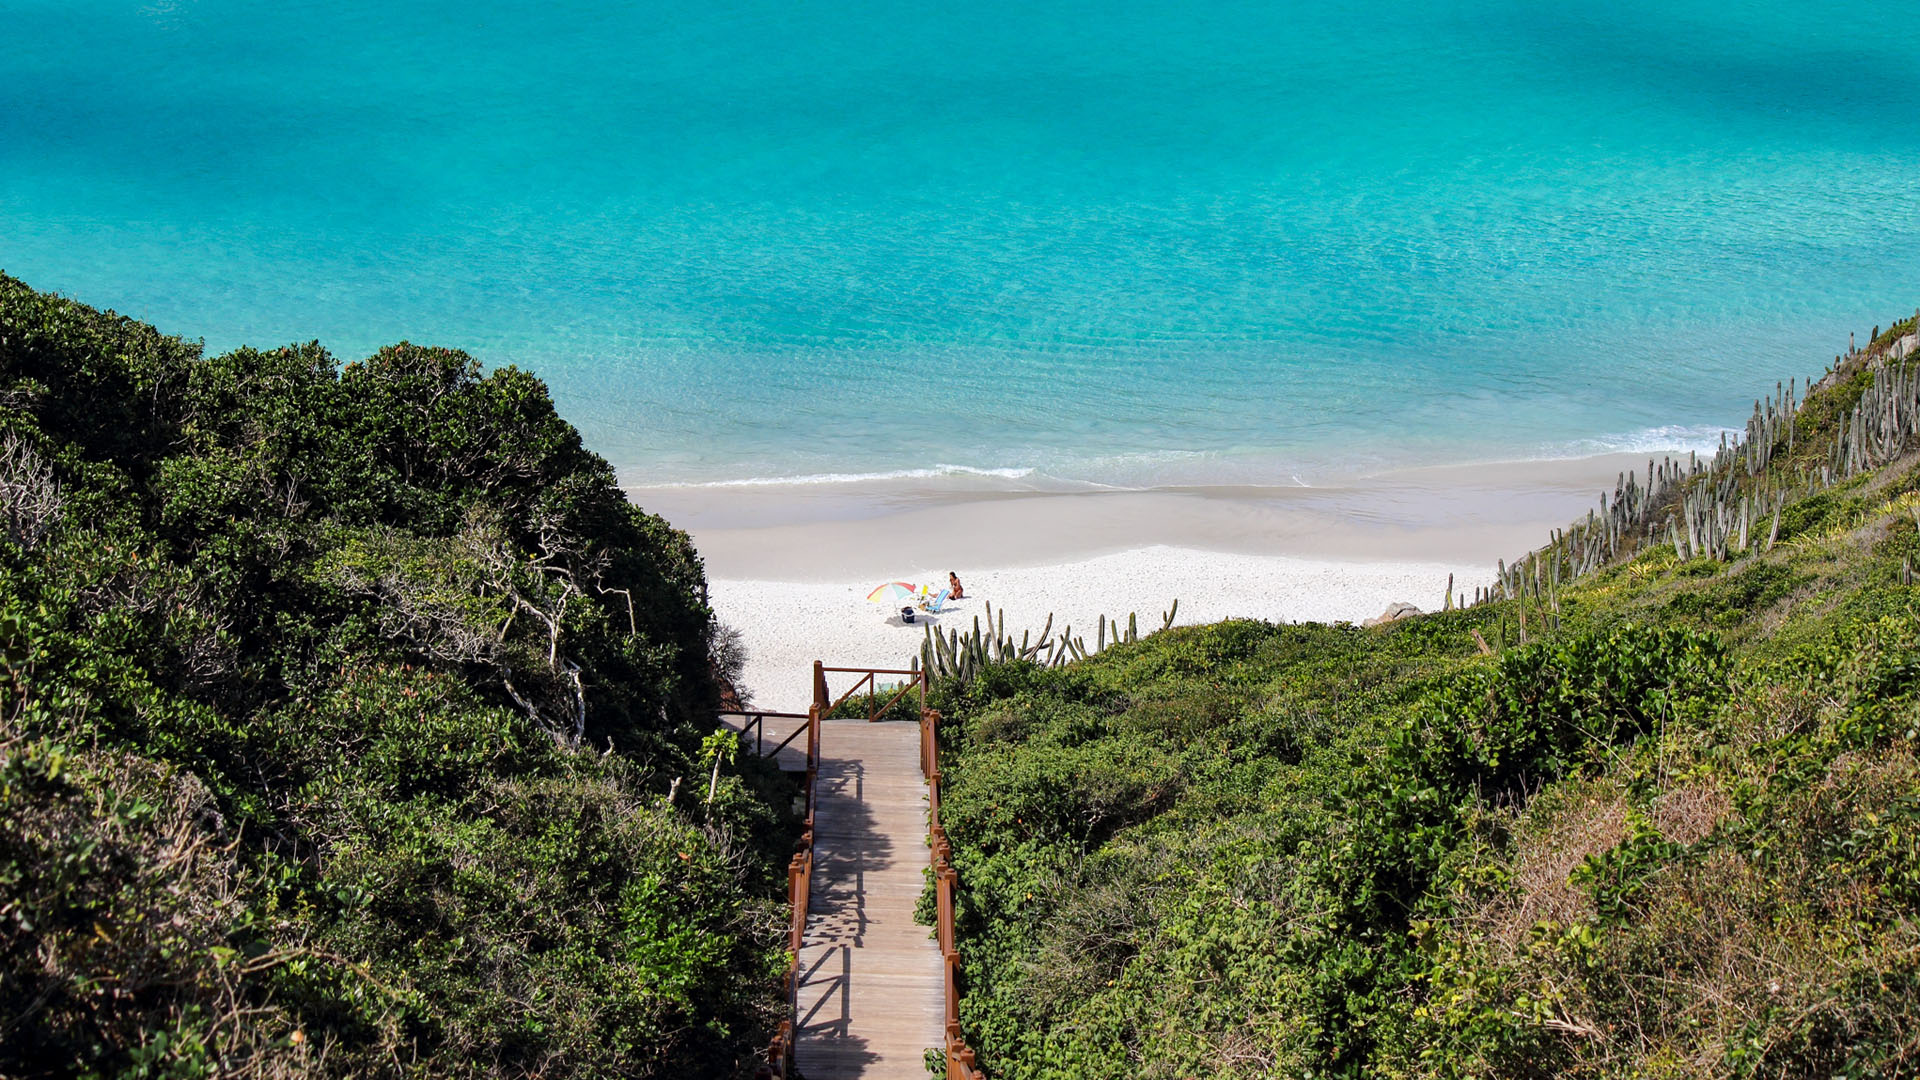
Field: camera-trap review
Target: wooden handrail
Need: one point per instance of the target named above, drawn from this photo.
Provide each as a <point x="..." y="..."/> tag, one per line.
<point x="779" y="1063"/>
<point x="961" y="1062"/>
<point x="791" y="735"/>
<point x="799" y="897"/>
<point x="917" y="680"/>
<point x="865" y="680"/>
<point x="756" y="720"/>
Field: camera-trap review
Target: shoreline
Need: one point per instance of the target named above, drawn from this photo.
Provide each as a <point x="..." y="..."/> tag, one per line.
<point x="1449" y="513"/>
<point x="795" y="585"/>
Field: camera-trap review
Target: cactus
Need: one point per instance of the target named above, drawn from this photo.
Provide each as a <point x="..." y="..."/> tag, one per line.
<point x="1714" y="507"/>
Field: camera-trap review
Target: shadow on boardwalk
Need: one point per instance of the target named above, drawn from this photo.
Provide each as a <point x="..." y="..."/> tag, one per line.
<point x="847" y="845"/>
<point x="870" y="976"/>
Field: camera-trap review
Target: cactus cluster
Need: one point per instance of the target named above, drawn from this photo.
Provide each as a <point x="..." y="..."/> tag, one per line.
<point x="1730" y="504"/>
<point x="1880" y="424"/>
<point x="1616" y="528"/>
<point x="1719" y="507"/>
<point x="958" y="657"/>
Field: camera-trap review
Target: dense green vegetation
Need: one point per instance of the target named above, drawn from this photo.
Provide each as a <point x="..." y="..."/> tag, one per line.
<point x="352" y="722"/>
<point x="1677" y="833"/>
<point x="343" y="718"/>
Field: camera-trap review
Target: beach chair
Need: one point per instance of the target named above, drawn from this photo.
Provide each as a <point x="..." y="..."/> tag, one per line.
<point x="933" y="604"/>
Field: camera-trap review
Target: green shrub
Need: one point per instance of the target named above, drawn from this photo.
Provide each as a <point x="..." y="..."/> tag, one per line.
<point x="338" y="714"/>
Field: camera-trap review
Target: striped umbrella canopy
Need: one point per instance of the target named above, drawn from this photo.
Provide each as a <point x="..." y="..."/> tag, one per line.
<point x="894" y="592"/>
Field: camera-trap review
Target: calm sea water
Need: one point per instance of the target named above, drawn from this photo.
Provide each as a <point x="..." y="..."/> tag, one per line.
<point x="1118" y="242"/>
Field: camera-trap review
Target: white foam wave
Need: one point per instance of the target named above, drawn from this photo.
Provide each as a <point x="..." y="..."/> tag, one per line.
<point x="1702" y="438"/>
<point x="1154" y="470"/>
<point x="935" y="472"/>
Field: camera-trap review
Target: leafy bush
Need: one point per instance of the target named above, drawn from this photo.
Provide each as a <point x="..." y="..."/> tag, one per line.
<point x="1673" y="836"/>
<point x="339" y="713"/>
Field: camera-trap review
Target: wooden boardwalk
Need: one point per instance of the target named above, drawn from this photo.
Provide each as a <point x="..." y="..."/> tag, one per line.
<point x="871" y="982"/>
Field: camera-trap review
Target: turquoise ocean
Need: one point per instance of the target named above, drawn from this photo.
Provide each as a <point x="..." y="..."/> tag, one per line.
<point x="1115" y="243"/>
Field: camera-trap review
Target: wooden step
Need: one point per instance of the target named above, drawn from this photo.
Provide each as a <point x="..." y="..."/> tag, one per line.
<point x="871" y="983"/>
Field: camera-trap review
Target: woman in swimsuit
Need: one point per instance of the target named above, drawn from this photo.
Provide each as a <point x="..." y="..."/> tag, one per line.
<point x="954" y="591"/>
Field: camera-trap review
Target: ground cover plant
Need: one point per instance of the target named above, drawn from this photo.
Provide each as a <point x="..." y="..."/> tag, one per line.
<point x="344" y="714"/>
<point x="1675" y="831"/>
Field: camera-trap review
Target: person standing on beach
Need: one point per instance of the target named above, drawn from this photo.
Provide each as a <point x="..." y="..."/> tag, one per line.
<point x="954" y="591"/>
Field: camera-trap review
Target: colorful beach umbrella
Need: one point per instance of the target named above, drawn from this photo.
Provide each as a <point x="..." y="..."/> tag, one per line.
<point x="894" y="592"/>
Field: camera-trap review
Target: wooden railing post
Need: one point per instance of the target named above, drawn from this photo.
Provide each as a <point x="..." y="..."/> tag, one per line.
<point x="961" y="1063"/>
<point x="799" y="894"/>
<point x="813" y="767"/>
<point x="799" y="885"/>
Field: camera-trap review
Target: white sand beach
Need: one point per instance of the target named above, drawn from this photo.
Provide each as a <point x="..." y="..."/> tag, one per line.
<point x="791" y="566"/>
<point x="787" y="625"/>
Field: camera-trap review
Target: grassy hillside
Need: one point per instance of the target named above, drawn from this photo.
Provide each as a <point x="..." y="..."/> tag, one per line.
<point x="1674" y="832"/>
<point x="343" y="712"/>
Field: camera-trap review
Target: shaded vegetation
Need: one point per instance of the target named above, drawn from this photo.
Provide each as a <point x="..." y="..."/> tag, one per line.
<point x="343" y="713"/>
<point x="1678" y="834"/>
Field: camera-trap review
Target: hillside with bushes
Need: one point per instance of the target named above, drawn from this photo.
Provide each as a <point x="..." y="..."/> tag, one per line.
<point x="1649" y="806"/>
<point x="344" y="714"/>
